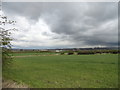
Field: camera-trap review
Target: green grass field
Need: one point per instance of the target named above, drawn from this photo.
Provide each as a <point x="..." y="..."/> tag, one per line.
<point x="24" y="54"/>
<point x="65" y="71"/>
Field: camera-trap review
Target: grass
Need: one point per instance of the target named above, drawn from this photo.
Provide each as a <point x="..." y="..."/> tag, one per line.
<point x="65" y="71"/>
<point x="32" y="53"/>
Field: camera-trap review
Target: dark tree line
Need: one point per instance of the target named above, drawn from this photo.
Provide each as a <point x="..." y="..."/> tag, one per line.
<point x="88" y="52"/>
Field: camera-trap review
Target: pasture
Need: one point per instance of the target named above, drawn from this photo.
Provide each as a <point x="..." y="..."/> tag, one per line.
<point x="65" y="71"/>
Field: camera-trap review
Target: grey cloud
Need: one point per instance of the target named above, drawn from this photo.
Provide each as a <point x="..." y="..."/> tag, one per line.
<point x="76" y="20"/>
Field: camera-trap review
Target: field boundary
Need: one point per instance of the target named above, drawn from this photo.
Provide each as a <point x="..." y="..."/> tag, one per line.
<point x="34" y="55"/>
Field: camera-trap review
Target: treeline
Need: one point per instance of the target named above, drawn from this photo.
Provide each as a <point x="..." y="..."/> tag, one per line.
<point x="84" y="52"/>
<point x="71" y="52"/>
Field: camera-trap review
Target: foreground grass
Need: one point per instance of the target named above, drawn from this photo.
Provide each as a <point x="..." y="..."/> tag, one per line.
<point x="65" y="71"/>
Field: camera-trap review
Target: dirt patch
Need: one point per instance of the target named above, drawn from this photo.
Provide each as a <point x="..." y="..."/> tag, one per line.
<point x="12" y="84"/>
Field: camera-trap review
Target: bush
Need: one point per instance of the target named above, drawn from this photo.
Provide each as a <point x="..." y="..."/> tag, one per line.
<point x="70" y="53"/>
<point x="85" y="52"/>
<point x="62" y="53"/>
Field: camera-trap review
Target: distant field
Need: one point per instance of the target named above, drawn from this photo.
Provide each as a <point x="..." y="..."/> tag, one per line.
<point x="32" y="53"/>
<point x="65" y="71"/>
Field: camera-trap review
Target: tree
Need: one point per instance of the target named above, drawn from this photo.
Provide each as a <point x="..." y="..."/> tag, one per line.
<point x="5" y="35"/>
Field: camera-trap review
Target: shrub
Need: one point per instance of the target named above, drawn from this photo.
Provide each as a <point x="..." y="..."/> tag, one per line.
<point x="85" y="52"/>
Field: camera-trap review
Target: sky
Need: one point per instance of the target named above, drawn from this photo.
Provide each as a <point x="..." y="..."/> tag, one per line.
<point x="44" y="25"/>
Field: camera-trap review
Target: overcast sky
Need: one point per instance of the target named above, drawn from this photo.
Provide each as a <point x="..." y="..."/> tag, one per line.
<point x="63" y="25"/>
